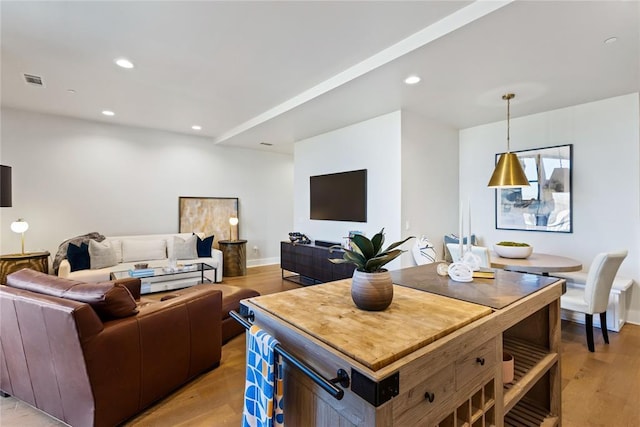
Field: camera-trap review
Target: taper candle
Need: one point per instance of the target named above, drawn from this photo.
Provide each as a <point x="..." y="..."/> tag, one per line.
<point x="469" y="222"/>
<point x="460" y="232"/>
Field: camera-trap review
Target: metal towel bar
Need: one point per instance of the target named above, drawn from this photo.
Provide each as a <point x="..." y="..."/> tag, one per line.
<point x="342" y="377"/>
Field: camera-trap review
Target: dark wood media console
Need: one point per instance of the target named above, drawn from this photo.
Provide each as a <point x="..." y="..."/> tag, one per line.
<point x="311" y="264"/>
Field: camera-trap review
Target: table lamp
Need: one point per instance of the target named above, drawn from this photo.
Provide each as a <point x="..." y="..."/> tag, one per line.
<point x="20" y="226"/>
<point x="233" y="221"/>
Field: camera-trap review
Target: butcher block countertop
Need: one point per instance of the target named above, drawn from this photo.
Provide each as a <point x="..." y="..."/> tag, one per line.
<point x="374" y="338"/>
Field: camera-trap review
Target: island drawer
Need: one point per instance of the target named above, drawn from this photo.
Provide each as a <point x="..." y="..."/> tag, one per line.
<point x="475" y="362"/>
<point x="411" y="407"/>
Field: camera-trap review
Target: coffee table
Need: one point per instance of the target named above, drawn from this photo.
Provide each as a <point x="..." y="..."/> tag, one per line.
<point x="163" y="279"/>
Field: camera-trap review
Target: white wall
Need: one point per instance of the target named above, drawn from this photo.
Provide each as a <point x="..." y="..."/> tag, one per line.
<point x="429" y="181"/>
<point x="606" y="179"/>
<point x="72" y="177"/>
<point x="374" y="145"/>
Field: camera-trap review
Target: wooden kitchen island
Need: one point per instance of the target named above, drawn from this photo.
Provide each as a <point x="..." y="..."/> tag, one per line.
<point x="433" y="358"/>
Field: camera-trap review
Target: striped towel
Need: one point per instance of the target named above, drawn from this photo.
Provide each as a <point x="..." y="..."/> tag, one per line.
<point x="263" y="389"/>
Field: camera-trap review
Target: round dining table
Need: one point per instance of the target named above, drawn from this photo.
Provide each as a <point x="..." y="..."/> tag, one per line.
<point x="536" y="263"/>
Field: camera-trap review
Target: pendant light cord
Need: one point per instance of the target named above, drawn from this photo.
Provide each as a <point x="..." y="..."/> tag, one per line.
<point x="508" y="127"/>
<point x="508" y="97"/>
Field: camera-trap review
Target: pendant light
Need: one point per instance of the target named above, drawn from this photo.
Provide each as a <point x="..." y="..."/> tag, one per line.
<point x="508" y="172"/>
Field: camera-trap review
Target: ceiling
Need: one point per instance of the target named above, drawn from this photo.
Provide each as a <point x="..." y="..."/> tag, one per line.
<point x="278" y="72"/>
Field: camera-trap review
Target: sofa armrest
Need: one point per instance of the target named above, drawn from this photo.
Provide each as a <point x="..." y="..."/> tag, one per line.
<point x="216" y="254"/>
<point x="64" y="269"/>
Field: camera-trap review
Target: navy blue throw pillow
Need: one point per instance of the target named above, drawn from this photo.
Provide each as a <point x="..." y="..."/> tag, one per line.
<point x="204" y="246"/>
<point x="78" y="256"/>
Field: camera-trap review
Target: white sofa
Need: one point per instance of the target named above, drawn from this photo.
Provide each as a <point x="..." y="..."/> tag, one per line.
<point x="129" y="253"/>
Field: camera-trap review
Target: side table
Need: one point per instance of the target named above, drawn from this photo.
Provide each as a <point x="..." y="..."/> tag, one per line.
<point x="38" y="261"/>
<point x="234" y="257"/>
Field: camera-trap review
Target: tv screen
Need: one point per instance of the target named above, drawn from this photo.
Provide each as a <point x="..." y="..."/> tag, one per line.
<point x="339" y="196"/>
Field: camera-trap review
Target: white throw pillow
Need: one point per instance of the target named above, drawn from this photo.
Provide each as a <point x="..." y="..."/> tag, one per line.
<point x="117" y="246"/>
<point x="143" y="250"/>
<point x="101" y="255"/>
<point x="185" y="248"/>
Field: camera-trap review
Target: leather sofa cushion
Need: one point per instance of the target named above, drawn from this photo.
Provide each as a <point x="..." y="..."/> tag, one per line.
<point x="109" y="300"/>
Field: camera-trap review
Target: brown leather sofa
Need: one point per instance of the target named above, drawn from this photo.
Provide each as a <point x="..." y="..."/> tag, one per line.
<point x="91" y="355"/>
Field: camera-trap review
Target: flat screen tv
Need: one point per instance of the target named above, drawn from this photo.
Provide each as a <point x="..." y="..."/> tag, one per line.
<point x="339" y="196"/>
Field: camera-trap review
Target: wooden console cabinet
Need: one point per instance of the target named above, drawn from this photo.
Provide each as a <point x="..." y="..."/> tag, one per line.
<point x="38" y="261"/>
<point x="427" y="360"/>
<point x="311" y="264"/>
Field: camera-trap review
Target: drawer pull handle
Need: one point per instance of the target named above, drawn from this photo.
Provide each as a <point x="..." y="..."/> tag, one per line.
<point x="480" y="360"/>
<point x="430" y="397"/>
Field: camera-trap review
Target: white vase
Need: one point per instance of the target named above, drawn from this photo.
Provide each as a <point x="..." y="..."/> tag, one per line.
<point x="372" y="291"/>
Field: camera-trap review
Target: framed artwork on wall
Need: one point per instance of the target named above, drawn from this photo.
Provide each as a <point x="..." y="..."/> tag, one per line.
<point x="546" y="205"/>
<point x="208" y="215"/>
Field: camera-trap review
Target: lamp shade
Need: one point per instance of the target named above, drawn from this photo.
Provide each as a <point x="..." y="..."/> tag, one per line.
<point x="508" y="173"/>
<point x="19" y="226"/>
<point x="5" y="186"/>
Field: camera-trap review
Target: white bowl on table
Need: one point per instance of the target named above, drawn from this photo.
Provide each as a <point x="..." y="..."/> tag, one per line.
<point x="513" y="251"/>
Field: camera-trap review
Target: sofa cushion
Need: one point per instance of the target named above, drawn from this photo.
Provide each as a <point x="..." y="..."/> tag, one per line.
<point x="108" y="299"/>
<point x="203" y="246"/>
<point x="185" y="248"/>
<point x="78" y="256"/>
<point x="101" y="254"/>
<point x="143" y="250"/>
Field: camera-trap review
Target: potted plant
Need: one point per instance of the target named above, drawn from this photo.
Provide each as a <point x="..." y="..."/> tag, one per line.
<point x="371" y="287"/>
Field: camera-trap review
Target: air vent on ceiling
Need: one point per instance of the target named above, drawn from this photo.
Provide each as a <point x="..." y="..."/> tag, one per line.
<point x="268" y="144"/>
<point x="33" y="80"/>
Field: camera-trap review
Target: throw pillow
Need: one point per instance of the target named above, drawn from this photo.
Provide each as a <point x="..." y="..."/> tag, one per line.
<point x="101" y="255"/>
<point x="143" y="249"/>
<point x="204" y="246"/>
<point x="78" y="256"/>
<point x="117" y="246"/>
<point x="185" y="248"/>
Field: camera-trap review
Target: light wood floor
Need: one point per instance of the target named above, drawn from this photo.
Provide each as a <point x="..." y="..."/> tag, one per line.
<point x="598" y="389"/>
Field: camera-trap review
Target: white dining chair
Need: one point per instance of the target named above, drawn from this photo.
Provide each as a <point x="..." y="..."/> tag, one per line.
<point x="481" y="251"/>
<point x="594" y="298"/>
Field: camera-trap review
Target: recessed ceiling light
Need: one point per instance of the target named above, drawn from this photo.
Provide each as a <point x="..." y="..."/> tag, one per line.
<point x="411" y="80"/>
<point x="108" y="113"/>
<point x="196" y="127"/>
<point x="611" y="40"/>
<point x="124" y="63"/>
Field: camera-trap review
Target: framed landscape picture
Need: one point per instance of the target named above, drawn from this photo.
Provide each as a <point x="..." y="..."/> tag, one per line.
<point x="208" y="215"/>
<point x="546" y="204"/>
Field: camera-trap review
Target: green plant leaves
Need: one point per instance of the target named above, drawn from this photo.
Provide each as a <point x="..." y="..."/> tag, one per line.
<point x="378" y="241"/>
<point x="366" y="254"/>
<point x="364" y="244"/>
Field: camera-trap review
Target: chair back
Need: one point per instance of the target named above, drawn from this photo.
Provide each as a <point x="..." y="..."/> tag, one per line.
<point x="481" y="251"/>
<point x="602" y="272"/>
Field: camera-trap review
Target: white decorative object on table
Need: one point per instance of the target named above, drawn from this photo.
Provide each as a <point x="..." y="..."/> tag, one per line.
<point x="423" y="251"/>
<point x="460" y="272"/>
<point x="513" y="251"/>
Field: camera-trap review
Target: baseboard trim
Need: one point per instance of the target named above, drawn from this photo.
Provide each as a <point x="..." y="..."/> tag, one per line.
<point x="262" y="261"/>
